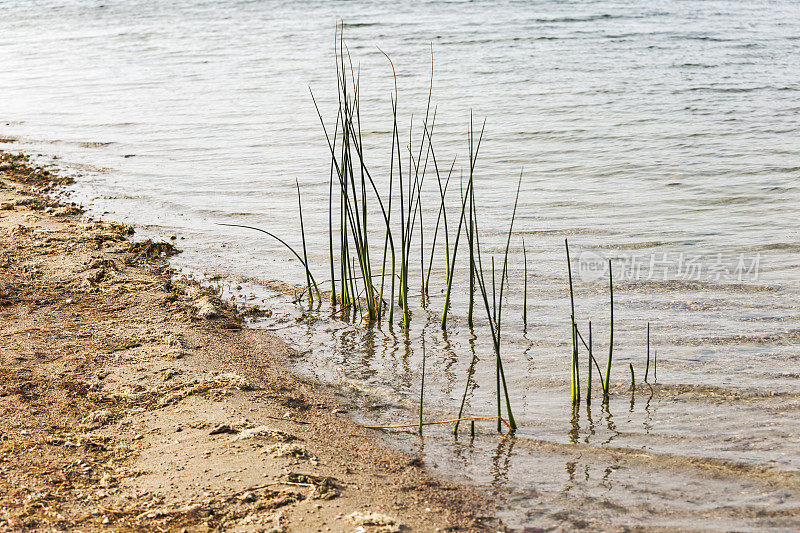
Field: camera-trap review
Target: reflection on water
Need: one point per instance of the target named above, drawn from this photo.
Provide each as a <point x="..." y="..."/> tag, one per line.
<point x="661" y="135"/>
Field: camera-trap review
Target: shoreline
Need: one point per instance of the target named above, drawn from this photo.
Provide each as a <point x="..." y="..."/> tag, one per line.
<point x="133" y="400"/>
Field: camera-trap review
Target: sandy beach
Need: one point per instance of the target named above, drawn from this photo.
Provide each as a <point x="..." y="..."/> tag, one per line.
<point x="135" y="401"/>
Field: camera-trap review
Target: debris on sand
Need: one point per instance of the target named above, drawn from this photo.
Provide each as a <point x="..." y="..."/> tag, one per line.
<point x="223" y="429"/>
<point x="378" y="521"/>
<point x="97" y="419"/>
<point x="204" y="307"/>
<point x="286" y="450"/>
<point x="324" y="486"/>
<point x="265" y="431"/>
<point x="21" y="169"/>
<point x="151" y="250"/>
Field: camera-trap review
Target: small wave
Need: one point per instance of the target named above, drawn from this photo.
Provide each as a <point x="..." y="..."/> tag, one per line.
<point x="638" y="245"/>
<point x="707" y="38"/>
<point x="783" y="338"/>
<point x="695" y="286"/>
<point x="562" y="232"/>
<point x="361" y="24"/>
<point x="689" y="391"/>
<point x="695" y="65"/>
<point x="725" y="89"/>
<point x="93" y="144"/>
<point x="661" y="461"/>
<point x="588" y="18"/>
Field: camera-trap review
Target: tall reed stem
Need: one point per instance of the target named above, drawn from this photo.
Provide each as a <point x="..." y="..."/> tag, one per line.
<point x="471" y="303"/>
<point x="473" y="156"/>
<point x="576" y="385"/>
<point x="655" y="366"/>
<point x="607" y="381"/>
<point x="422" y="384"/>
<point x="647" y="367"/>
<point x="305" y="252"/>
<point x="525" y="287"/>
<point x="589" y="380"/>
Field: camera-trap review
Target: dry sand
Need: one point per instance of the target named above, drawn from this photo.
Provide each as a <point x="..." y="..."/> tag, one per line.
<point x="132" y="401"/>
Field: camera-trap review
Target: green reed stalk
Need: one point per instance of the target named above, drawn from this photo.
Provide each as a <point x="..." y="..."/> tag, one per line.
<point x="391" y="180"/>
<point x="503" y="280"/>
<point x="471" y="259"/>
<point x="525" y="288"/>
<point x="422" y="384"/>
<point x="305" y="252"/>
<point x="284" y="243"/>
<point x="607" y="381"/>
<point x="442" y="216"/>
<point x="354" y="180"/>
<point x="342" y="174"/>
<point x="496" y="367"/>
<point x="495" y="313"/>
<point x="403" y="292"/>
<point x="425" y="134"/>
<point x="495" y="340"/>
<point x="330" y="219"/>
<point x="415" y="195"/>
<point x="494" y="301"/>
<point x="633" y="380"/>
<point x="365" y="263"/>
<point x="470" y="373"/>
<point x="451" y="270"/>
<point x="647" y="367"/>
<point x="386" y="241"/>
<point x="576" y="385"/>
<point x="589" y="381"/>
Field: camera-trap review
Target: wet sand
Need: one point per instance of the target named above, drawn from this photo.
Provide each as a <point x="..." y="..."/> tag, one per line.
<point x="134" y="401"/>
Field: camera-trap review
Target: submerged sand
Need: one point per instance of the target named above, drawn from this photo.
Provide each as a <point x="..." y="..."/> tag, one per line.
<point x="134" y="401"/>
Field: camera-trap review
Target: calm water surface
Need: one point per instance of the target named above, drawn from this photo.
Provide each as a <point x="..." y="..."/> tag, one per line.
<point x="661" y="134"/>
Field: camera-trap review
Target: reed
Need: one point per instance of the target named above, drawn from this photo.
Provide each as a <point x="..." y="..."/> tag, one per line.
<point x="470" y="373"/>
<point x="441" y="219"/>
<point x="473" y="156"/>
<point x="422" y="385"/>
<point x="404" y="245"/>
<point x="525" y="292"/>
<point x="426" y="134"/>
<point x="330" y="218"/>
<point x="305" y="251"/>
<point x="589" y="380"/>
<point x="633" y="379"/>
<point x="310" y="277"/>
<point x="576" y="383"/>
<point x="655" y="366"/>
<point x="471" y="303"/>
<point x="494" y="312"/>
<point x="354" y="182"/>
<point x="607" y="381"/>
<point x="647" y="366"/>
<point x="353" y="195"/>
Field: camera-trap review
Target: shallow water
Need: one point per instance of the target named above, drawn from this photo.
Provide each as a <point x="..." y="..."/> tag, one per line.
<point x="659" y="134"/>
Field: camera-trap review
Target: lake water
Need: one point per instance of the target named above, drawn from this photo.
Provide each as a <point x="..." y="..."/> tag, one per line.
<point x="660" y="134"/>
